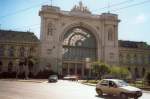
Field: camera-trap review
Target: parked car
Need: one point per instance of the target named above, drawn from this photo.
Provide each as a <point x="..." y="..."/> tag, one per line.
<point x="119" y="88"/>
<point x="53" y="78"/>
<point x="70" y="77"/>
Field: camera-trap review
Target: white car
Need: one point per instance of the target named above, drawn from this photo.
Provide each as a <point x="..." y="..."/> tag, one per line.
<point x="119" y="88"/>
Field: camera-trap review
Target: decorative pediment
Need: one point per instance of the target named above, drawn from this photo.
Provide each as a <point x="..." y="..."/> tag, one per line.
<point x="80" y="8"/>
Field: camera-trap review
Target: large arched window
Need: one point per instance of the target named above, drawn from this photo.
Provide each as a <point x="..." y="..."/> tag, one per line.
<point x="2" y="50"/>
<point x="78" y="44"/>
<point x="11" y="51"/>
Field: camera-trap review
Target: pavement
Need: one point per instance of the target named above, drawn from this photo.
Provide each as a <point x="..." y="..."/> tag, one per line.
<point x="26" y="80"/>
<point x="41" y="89"/>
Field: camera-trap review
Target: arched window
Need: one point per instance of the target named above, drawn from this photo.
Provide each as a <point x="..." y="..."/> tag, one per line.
<point x="129" y="69"/>
<point x="149" y="59"/>
<point x="135" y="59"/>
<point x="2" y="50"/>
<point x="136" y="71"/>
<point x="31" y="51"/>
<point x="11" y="51"/>
<point x="143" y="59"/>
<point x="1" y="64"/>
<point x="143" y="72"/>
<point x="22" y="52"/>
<point x="79" y="43"/>
<point x="121" y="58"/>
<point x="110" y="35"/>
<point x="128" y="59"/>
<point x="10" y="66"/>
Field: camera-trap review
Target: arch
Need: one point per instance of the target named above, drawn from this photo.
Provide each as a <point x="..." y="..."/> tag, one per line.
<point x="82" y="25"/>
<point x="1" y="65"/>
<point x="2" y="49"/>
<point x="136" y="71"/>
<point x="22" y="51"/>
<point x="11" y="51"/>
<point x="81" y="43"/>
<point x="143" y="72"/>
<point x="10" y="66"/>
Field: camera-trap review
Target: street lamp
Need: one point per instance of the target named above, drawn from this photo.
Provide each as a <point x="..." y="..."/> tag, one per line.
<point x="88" y="66"/>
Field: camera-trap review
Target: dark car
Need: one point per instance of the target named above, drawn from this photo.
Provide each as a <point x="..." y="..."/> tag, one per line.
<point x="53" y="78"/>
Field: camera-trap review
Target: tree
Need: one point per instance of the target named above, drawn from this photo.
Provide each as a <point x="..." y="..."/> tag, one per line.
<point x="100" y="69"/>
<point x="120" y="72"/>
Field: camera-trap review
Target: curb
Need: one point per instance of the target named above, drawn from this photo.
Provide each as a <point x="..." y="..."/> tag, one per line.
<point x="88" y="84"/>
<point x="23" y="80"/>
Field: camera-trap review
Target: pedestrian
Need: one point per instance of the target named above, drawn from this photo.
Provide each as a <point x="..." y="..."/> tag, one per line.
<point x="17" y="68"/>
<point x="26" y="69"/>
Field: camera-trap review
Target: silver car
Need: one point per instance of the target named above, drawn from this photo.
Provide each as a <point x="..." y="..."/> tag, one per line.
<point x="53" y="78"/>
<point x="119" y="88"/>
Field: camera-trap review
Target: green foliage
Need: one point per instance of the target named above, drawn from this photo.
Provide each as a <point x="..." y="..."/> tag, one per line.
<point x="100" y="68"/>
<point x="120" y="72"/>
<point x="147" y="77"/>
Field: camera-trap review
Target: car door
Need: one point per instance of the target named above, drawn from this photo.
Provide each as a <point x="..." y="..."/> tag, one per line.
<point x="113" y="89"/>
<point x="104" y="86"/>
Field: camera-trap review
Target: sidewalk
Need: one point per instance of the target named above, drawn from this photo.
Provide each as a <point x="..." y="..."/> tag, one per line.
<point x="24" y="80"/>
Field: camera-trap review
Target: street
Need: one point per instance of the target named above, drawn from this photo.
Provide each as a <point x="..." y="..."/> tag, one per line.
<point x="43" y="90"/>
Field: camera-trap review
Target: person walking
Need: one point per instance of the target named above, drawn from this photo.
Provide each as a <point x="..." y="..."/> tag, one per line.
<point x="17" y="68"/>
<point x="26" y="68"/>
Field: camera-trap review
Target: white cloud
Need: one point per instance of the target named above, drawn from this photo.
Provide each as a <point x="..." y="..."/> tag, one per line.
<point x="140" y="18"/>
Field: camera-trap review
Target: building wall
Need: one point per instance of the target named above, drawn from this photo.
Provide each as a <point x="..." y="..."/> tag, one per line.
<point x="29" y="49"/>
<point x="133" y="58"/>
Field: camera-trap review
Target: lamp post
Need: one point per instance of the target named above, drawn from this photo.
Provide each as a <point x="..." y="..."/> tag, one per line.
<point x="88" y="63"/>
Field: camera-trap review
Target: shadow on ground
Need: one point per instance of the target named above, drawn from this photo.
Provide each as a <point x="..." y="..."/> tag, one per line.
<point x="108" y="97"/>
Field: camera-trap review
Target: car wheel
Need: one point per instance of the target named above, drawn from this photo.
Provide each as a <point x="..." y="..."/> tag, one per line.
<point x="99" y="92"/>
<point x="135" y="97"/>
<point x="123" y="96"/>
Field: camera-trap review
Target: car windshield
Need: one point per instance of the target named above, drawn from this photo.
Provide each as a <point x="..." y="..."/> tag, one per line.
<point x="121" y="83"/>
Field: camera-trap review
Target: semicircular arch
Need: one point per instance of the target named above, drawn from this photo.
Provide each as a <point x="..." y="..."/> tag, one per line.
<point x="82" y="25"/>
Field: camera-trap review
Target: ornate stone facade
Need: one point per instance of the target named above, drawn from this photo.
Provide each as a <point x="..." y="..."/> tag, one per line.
<point x="16" y="45"/>
<point x="68" y="38"/>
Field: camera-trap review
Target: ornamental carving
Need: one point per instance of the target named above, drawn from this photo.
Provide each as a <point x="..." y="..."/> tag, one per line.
<point x="51" y="28"/>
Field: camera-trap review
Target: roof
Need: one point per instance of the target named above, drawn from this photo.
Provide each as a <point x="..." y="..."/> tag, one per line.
<point x="133" y="44"/>
<point x="17" y="36"/>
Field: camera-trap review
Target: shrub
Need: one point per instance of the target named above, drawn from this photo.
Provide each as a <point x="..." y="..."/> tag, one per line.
<point x="120" y="72"/>
<point x="147" y="78"/>
<point x="100" y="69"/>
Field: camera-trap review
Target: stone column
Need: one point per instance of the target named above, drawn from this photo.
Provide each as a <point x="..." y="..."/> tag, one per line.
<point x="82" y="70"/>
<point x="68" y="72"/>
<point x="76" y="69"/>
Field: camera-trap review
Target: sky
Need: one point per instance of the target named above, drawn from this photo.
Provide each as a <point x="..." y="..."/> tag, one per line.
<point x="23" y="15"/>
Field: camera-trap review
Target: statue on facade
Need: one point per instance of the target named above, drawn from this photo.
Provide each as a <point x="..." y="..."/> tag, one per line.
<point x="80" y="8"/>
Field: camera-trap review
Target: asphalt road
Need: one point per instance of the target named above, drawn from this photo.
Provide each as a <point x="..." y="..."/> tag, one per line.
<point x="60" y="90"/>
